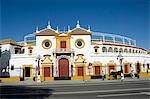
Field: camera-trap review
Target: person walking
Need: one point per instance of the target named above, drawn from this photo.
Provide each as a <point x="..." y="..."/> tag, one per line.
<point x="122" y="76"/>
<point x="132" y="74"/>
<point x="103" y="75"/>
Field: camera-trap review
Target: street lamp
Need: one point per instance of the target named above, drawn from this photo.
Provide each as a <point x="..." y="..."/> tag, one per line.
<point x="38" y="58"/>
<point x="120" y="58"/>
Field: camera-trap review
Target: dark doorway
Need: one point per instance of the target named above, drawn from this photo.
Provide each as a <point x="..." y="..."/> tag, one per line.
<point x="27" y="71"/>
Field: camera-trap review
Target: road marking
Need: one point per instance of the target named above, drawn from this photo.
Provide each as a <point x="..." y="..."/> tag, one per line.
<point x="77" y="92"/>
<point x="97" y="91"/>
<point x="146" y="93"/>
<point x="113" y="95"/>
<point x="124" y="94"/>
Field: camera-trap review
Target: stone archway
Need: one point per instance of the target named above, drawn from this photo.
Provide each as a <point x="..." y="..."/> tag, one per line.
<point x="63" y="65"/>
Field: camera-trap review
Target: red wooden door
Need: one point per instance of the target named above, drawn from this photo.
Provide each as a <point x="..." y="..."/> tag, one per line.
<point x="126" y="68"/>
<point x="97" y="70"/>
<point x="80" y="71"/>
<point x="62" y="44"/>
<point x="46" y="71"/>
<point x="63" y="67"/>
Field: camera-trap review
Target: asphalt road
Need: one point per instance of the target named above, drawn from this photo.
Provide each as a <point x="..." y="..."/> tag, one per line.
<point x="114" y="90"/>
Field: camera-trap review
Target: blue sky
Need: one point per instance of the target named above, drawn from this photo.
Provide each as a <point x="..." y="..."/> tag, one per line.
<point x="124" y="17"/>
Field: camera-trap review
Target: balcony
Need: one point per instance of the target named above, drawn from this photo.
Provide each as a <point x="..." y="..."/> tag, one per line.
<point x="63" y="50"/>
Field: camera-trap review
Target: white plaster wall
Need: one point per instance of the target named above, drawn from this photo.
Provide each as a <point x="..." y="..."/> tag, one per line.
<point x="40" y="50"/>
<point x="34" y="51"/>
<point x="18" y="63"/>
<point x="85" y="50"/>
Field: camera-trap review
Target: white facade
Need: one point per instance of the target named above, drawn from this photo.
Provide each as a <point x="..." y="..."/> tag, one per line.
<point x="89" y="50"/>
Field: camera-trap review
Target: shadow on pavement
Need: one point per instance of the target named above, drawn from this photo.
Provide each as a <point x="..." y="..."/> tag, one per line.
<point x="24" y="92"/>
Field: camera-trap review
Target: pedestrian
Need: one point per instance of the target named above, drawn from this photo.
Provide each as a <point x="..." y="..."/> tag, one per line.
<point x="138" y="74"/>
<point x="132" y="74"/>
<point x="103" y="75"/>
<point x="122" y="76"/>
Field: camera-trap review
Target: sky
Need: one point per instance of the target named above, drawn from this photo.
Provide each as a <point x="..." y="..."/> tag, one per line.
<point x="128" y="18"/>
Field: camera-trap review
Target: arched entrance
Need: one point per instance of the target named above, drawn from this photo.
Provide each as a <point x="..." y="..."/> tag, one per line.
<point x="63" y="67"/>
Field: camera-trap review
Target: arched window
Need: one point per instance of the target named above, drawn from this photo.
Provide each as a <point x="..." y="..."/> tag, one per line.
<point x="120" y="50"/>
<point x="133" y="51"/>
<point x="96" y="49"/>
<point x="115" y="49"/>
<point x="110" y="49"/>
<point x="125" y="50"/>
<point x="129" y="50"/>
<point x="136" y="51"/>
<point x="104" y="49"/>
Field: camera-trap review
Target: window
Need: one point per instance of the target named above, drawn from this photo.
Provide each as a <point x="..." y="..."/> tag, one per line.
<point x="129" y="50"/>
<point x="46" y="44"/>
<point x="133" y="51"/>
<point x="17" y="50"/>
<point x="30" y="50"/>
<point x="22" y="51"/>
<point x="125" y="50"/>
<point x="96" y="49"/>
<point x="110" y="49"/>
<point x="104" y="49"/>
<point x="12" y="67"/>
<point x="120" y="50"/>
<point x="116" y="50"/>
<point x="62" y="44"/>
<point x="136" y="51"/>
<point x="79" y="43"/>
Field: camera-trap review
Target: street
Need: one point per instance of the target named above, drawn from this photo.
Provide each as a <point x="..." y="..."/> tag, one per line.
<point x="104" y="90"/>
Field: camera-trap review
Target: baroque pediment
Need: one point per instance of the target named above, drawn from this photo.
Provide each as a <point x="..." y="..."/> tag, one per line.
<point x="80" y="58"/>
<point x="47" y="59"/>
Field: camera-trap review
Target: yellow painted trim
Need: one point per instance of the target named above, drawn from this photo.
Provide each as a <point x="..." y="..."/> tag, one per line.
<point x="43" y="44"/>
<point x="10" y="79"/>
<point x="79" y="39"/>
<point x="47" y="78"/>
<point x="86" y="77"/>
<point x="80" y="65"/>
<point x="96" y="64"/>
<point x="109" y="64"/>
<point x="31" y="67"/>
<point x="144" y="74"/>
<point x="62" y="38"/>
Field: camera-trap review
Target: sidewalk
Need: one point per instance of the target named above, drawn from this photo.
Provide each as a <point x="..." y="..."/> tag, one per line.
<point x="70" y="82"/>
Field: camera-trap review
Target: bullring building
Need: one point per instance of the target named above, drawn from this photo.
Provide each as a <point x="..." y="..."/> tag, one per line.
<point x="74" y="54"/>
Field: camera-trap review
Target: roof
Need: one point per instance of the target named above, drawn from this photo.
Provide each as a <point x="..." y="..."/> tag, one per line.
<point x="80" y="31"/>
<point x="9" y="41"/>
<point x="46" y="32"/>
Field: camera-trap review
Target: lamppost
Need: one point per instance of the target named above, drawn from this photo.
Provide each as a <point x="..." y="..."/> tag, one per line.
<point x="71" y="70"/>
<point x="120" y="58"/>
<point x="38" y="58"/>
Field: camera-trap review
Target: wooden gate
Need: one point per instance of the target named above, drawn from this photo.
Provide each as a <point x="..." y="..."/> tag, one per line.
<point x="63" y="67"/>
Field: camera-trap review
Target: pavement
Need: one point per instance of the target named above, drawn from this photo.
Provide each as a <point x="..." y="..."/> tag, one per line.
<point x="68" y="82"/>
